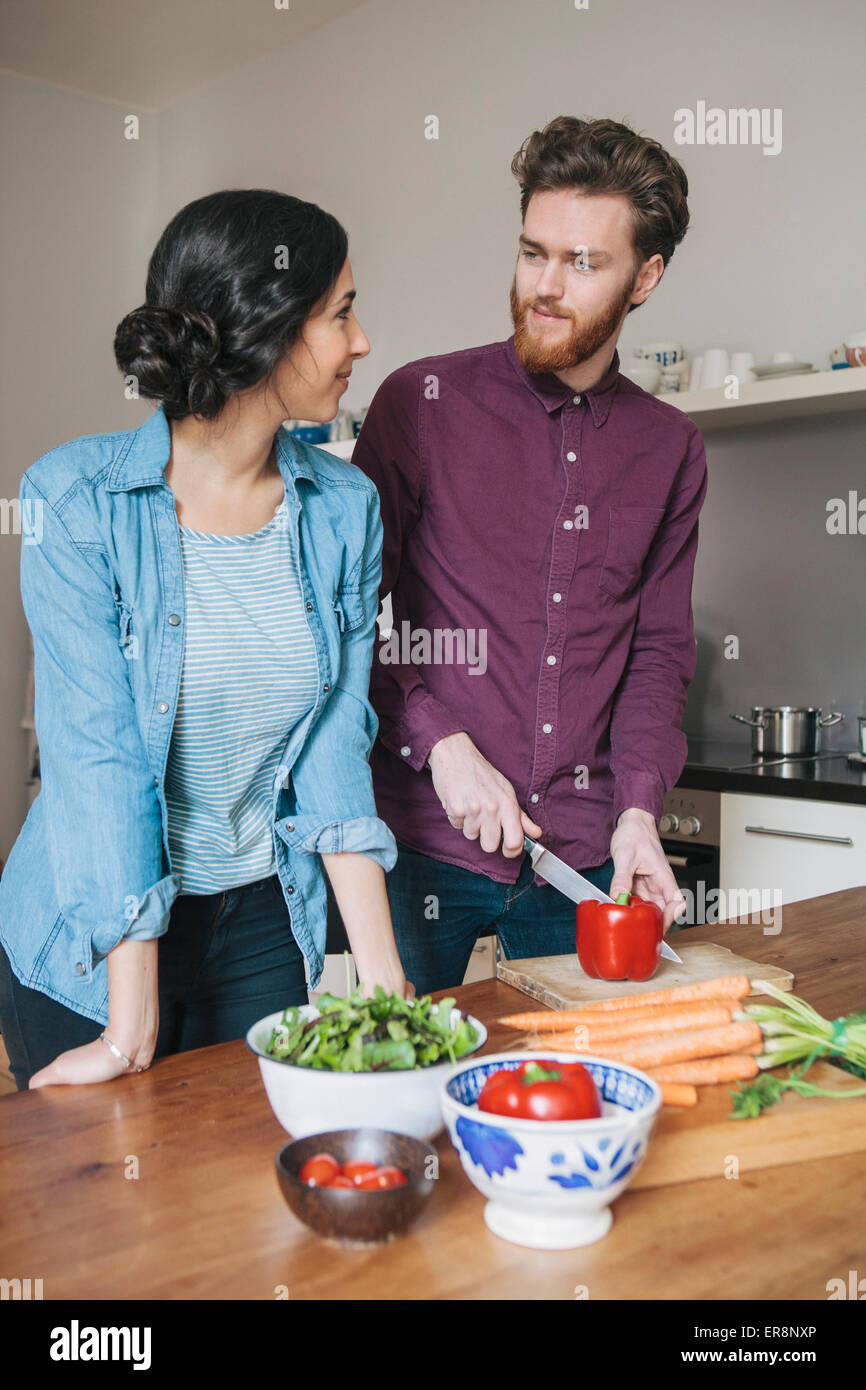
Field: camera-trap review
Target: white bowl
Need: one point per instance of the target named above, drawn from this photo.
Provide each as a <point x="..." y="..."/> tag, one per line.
<point x="549" y="1184"/>
<point x="647" y="375"/>
<point x="308" y="1100"/>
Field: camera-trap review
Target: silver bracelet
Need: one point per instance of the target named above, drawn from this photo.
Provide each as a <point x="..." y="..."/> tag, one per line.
<point x="117" y="1052"/>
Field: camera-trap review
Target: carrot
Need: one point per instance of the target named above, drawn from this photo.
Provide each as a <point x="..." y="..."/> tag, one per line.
<point x="678" y="1047"/>
<point x="664" y="1021"/>
<point x="724" y="987"/>
<point x="552" y="1021"/>
<point x="735" y="1066"/>
<point x="677" y="1095"/>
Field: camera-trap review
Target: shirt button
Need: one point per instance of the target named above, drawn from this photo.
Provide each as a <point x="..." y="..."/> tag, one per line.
<point x="571" y="457"/>
<point x="309" y="608"/>
<point x="568" y="525"/>
<point x="81" y="968"/>
<point x="326" y="687"/>
<point x="534" y="798"/>
<point x="577" y="400"/>
<point x="547" y="728"/>
<point x="289" y="826"/>
<point x="557" y="598"/>
<point x="290" y="889"/>
<point x="156" y="781"/>
<point x="162" y="707"/>
<point x="405" y="750"/>
<point x="174" y="619"/>
<point x="551" y="661"/>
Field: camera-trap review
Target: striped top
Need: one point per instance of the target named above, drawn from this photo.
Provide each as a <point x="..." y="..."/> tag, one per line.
<point x="250" y="673"/>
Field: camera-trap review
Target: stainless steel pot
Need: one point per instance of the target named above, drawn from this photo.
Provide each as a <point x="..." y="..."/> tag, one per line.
<point x="787" y="730"/>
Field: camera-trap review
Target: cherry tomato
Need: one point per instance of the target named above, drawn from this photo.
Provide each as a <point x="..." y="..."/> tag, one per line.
<point x="357" y="1168"/>
<point x="339" y="1181"/>
<point x="382" y="1178"/>
<point x="319" y="1169"/>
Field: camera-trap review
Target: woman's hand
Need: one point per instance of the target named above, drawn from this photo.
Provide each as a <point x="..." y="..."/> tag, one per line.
<point x="133" y="1022"/>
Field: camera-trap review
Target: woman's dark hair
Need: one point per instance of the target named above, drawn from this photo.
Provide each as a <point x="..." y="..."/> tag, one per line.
<point x="230" y="284"/>
<point x="604" y="156"/>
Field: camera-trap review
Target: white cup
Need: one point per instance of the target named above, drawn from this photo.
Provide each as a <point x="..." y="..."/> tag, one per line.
<point x="741" y="366"/>
<point x="695" y="380"/>
<point x="715" y="368"/>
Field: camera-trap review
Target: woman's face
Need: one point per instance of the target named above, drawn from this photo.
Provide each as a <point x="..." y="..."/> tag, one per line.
<point x="315" y="375"/>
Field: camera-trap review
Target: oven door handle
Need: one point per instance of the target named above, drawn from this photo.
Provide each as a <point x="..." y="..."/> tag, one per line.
<point x="678" y="861"/>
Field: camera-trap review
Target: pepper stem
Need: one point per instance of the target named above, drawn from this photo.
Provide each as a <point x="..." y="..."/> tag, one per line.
<point x="623" y="897"/>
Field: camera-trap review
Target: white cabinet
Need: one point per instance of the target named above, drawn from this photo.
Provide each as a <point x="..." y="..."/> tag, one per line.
<point x="791" y="847"/>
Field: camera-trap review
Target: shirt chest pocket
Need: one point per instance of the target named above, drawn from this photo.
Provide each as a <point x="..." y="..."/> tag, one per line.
<point x="349" y="609"/>
<point x="630" y="535"/>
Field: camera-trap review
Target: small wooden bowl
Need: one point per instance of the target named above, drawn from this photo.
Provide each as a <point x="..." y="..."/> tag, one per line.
<point x="344" y="1216"/>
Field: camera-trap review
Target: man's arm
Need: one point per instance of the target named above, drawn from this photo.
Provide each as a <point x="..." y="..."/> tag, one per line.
<point x="648" y="747"/>
<point x="388" y="451"/>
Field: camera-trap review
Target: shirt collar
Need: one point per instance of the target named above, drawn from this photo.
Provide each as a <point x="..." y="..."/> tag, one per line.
<point x="142" y="460"/>
<point x="552" y="393"/>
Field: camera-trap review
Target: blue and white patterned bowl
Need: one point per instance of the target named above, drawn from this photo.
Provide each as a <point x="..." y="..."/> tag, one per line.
<point x="550" y="1184"/>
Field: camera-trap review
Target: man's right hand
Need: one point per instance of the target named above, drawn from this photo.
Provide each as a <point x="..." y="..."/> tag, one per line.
<point x="477" y="799"/>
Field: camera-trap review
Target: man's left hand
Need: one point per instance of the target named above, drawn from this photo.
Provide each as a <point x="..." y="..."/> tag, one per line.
<point x="640" y="866"/>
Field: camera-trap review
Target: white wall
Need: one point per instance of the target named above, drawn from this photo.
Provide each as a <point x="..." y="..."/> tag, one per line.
<point x="77" y="225"/>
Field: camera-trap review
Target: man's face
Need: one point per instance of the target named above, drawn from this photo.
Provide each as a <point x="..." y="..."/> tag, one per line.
<point x="575" y="277"/>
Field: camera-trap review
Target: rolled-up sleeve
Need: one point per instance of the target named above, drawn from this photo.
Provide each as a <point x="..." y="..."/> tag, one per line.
<point x="648" y="747"/>
<point x="102" y="814"/>
<point x="333" y="809"/>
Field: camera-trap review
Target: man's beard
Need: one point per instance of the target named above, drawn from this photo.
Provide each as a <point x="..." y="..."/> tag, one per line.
<point x="537" y="352"/>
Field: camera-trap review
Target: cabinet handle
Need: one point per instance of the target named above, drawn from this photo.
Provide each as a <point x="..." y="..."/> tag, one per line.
<point x="800" y="835"/>
<point x="678" y="861"/>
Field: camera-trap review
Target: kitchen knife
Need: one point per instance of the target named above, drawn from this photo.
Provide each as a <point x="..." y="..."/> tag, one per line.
<point x="571" y="883"/>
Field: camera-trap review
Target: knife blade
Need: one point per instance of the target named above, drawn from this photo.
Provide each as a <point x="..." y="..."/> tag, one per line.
<point x="558" y="874"/>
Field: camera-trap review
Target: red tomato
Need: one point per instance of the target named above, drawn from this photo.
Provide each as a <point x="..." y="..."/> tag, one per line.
<point x="382" y="1178"/>
<point x="357" y="1168"/>
<point x="339" y="1181"/>
<point x="319" y="1170"/>
<point x="395" y="1176"/>
<point x="551" y="1100"/>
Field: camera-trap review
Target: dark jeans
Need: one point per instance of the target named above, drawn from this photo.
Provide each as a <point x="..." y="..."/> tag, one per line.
<point x="227" y="960"/>
<point x="439" y="910"/>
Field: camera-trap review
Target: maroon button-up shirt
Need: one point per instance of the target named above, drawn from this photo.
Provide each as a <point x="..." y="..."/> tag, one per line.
<point x="539" y="547"/>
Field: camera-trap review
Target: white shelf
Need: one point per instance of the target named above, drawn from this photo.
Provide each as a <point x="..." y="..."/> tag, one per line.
<point x="817" y="393"/>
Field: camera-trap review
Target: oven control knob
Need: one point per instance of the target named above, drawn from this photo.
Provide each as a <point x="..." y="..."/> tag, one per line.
<point x="691" y="825"/>
<point x="669" y="823"/>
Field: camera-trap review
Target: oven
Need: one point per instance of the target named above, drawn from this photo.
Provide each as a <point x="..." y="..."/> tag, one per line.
<point x="689" y="830"/>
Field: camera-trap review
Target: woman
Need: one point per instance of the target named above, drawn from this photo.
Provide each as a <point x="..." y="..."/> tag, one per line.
<point x="202" y="593"/>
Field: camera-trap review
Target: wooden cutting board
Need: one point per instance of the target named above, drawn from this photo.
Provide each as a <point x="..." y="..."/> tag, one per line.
<point x="705" y="1142"/>
<point x="559" y="982"/>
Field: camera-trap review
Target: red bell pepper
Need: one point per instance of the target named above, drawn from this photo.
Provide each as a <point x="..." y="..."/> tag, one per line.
<point x="621" y="940"/>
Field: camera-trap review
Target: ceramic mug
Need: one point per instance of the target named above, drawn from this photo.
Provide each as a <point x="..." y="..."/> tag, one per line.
<point x="741" y="366"/>
<point x="715" y="369"/>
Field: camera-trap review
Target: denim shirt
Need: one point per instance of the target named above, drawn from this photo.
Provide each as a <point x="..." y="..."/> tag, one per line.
<point x="102" y="588"/>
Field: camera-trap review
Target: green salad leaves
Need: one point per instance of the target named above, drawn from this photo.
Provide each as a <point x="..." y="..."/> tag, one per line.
<point x="382" y="1033"/>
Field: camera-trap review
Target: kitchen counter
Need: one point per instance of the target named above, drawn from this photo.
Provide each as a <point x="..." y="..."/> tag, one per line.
<point x="712" y="765"/>
<point x="204" y="1218"/>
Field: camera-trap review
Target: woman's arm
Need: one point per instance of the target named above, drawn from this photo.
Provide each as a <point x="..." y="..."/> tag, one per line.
<point x="359" y="887"/>
<point x="133" y="1022"/>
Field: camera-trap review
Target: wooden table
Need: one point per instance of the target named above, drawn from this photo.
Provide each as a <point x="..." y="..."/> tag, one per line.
<point x="205" y="1218"/>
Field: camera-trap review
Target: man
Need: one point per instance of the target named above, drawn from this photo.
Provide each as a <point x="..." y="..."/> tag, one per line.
<point x="540" y="518"/>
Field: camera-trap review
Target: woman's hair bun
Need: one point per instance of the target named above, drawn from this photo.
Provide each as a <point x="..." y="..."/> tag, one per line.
<point x="172" y="354"/>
